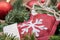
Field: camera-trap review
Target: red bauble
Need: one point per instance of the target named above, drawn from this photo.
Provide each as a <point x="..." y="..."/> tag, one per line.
<point x="30" y="3"/>
<point x="42" y="1"/>
<point x="58" y="6"/>
<point x="5" y="7"/>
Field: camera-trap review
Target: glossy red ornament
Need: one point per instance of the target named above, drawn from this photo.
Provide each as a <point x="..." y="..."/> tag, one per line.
<point x="42" y="1"/>
<point x="30" y="3"/>
<point x="58" y="6"/>
<point x="5" y="7"/>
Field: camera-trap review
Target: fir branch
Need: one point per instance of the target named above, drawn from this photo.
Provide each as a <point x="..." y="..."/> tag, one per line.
<point x="55" y="38"/>
<point x="53" y="2"/>
<point x="18" y="14"/>
<point x="17" y="4"/>
<point x="29" y="37"/>
<point x="7" y="37"/>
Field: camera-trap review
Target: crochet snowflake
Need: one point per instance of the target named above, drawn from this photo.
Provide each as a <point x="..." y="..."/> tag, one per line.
<point x="34" y="26"/>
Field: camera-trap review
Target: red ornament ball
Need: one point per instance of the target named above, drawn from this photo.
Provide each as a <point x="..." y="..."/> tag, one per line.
<point x="31" y="2"/>
<point x="58" y="6"/>
<point x="42" y="1"/>
<point x="5" y="7"/>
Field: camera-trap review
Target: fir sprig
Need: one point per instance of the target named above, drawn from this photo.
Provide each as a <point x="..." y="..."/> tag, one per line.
<point x="55" y="38"/>
<point x="18" y="14"/>
<point x="7" y="37"/>
<point x="29" y="37"/>
<point x="2" y="25"/>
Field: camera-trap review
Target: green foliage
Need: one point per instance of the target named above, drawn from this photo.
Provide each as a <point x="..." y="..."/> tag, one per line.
<point x="53" y="2"/>
<point x="42" y="11"/>
<point x="17" y="4"/>
<point x="7" y="37"/>
<point x="10" y="37"/>
<point x="18" y="14"/>
<point x="2" y="25"/>
<point x="39" y="10"/>
<point x="29" y="37"/>
<point x="59" y="28"/>
<point x="55" y="38"/>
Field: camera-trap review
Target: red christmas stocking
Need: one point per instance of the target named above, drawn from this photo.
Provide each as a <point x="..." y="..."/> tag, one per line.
<point x="42" y="25"/>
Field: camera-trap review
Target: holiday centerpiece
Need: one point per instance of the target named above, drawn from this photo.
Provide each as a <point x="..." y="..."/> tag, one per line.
<point x="41" y="20"/>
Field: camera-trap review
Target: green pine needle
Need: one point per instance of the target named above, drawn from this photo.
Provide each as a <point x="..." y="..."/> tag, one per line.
<point x="55" y="38"/>
<point x="18" y="14"/>
<point x="29" y="37"/>
<point x="7" y="37"/>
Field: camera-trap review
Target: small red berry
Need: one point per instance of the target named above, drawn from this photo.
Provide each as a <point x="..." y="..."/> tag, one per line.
<point x="42" y="1"/>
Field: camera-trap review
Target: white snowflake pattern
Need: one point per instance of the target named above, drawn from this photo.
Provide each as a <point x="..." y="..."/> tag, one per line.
<point x="33" y="25"/>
